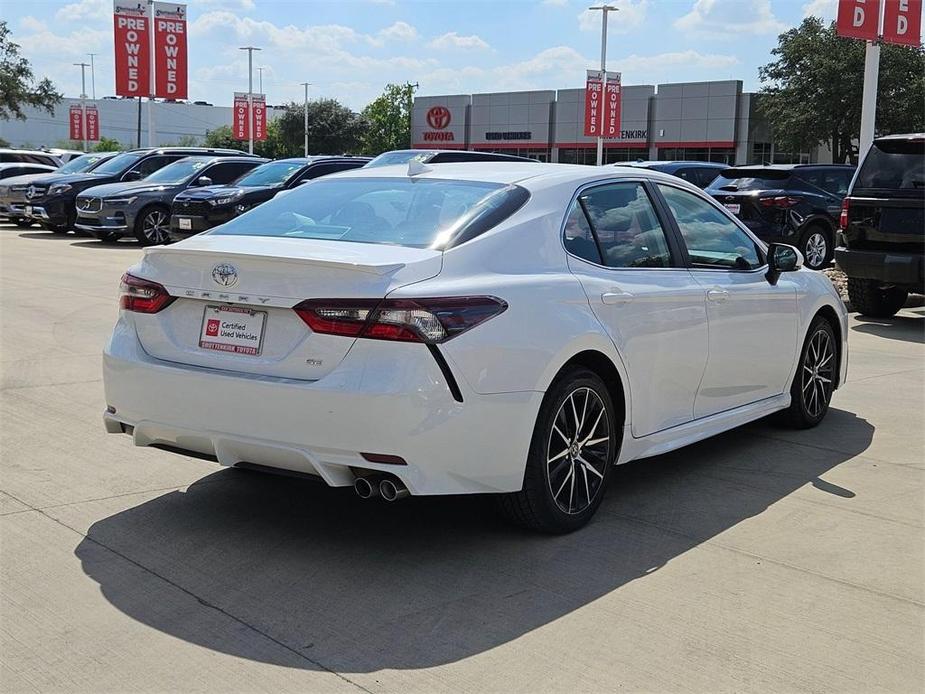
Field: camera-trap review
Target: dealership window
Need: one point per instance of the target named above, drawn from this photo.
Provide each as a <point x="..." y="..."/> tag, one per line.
<point x="538" y="153"/>
<point x="588" y="155"/>
<point x="720" y="155"/>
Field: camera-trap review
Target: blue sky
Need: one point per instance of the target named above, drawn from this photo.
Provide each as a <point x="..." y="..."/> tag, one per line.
<point x="350" y="49"/>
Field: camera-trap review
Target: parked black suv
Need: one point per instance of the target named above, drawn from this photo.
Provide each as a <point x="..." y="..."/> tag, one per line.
<point x="439" y="156"/>
<point x="142" y="208"/>
<point x="50" y="199"/>
<point x="797" y="204"/>
<point x="882" y="236"/>
<point x="198" y="209"/>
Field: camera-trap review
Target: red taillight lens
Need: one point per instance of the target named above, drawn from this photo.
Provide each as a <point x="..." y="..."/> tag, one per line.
<point x="781" y="201"/>
<point x="405" y="320"/>
<point x="142" y="296"/>
<point x="843" y="217"/>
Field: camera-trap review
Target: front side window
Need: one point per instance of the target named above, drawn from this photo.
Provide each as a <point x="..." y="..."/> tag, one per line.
<point x="621" y="222"/>
<point x="172" y="174"/>
<point x="274" y="173"/>
<point x="712" y="239"/>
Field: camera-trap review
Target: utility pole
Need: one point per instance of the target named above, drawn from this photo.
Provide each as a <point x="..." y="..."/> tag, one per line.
<point x="92" y="76"/>
<point x="83" y="101"/>
<point x="411" y="90"/>
<point x="260" y="80"/>
<point x="250" y="95"/>
<point x="604" y="9"/>
<point x="306" y="85"/>
<point x="152" y="88"/>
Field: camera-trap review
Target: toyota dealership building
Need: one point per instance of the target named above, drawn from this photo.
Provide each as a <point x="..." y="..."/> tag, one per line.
<point x="709" y="121"/>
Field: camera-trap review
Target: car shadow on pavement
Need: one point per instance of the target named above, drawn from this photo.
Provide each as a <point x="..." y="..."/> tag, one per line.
<point x="46" y="235"/>
<point x="902" y="326"/>
<point x="299" y="575"/>
<point x="121" y="244"/>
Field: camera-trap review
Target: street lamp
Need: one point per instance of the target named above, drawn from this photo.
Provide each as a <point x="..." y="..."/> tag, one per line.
<point x="411" y="88"/>
<point x="83" y="100"/>
<point x="250" y="95"/>
<point x="604" y="9"/>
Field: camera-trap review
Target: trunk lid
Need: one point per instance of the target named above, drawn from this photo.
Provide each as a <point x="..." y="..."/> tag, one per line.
<point x="249" y="284"/>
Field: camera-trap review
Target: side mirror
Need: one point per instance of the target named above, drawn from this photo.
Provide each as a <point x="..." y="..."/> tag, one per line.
<point x="203" y="181"/>
<point x="132" y="175"/>
<point x="782" y="258"/>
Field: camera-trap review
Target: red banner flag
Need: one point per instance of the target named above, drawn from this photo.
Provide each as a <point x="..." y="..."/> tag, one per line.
<point x="132" y="47"/>
<point x="75" y="119"/>
<point x="240" y="127"/>
<point x="613" y="105"/>
<point x="170" y="55"/>
<point x="594" y="104"/>
<point x="259" y="118"/>
<point x="902" y="22"/>
<point x="858" y="19"/>
<point x="93" y="124"/>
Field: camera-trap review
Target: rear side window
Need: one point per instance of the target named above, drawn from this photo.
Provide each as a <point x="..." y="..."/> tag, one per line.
<point x="751" y="179"/>
<point x="621" y="224"/>
<point x="897" y="165"/>
<point x="227" y="171"/>
<point x="834" y="181"/>
<point x="425" y="213"/>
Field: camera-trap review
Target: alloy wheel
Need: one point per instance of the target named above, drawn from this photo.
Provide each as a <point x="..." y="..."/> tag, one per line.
<point x="817" y="248"/>
<point x="818" y="372"/>
<point x="155" y="226"/>
<point x="578" y="450"/>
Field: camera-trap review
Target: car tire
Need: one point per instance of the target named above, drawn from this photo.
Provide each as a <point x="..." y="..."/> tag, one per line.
<point x="871" y="298"/>
<point x="22" y="223"/>
<point x="555" y="481"/>
<point x="817" y="247"/>
<point x="108" y="236"/>
<point x="814" y="381"/>
<point x="152" y="225"/>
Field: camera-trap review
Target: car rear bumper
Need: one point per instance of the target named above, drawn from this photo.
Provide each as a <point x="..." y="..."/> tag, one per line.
<point x="197" y="225"/>
<point x="891" y="268"/>
<point x="385" y="398"/>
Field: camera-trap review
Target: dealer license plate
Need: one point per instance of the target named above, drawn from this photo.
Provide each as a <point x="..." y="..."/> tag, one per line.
<point x="734" y="208"/>
<point x="186" y="223"/>
<point x="232" y="329"/>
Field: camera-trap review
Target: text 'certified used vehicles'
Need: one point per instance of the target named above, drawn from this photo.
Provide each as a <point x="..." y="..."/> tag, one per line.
<point x="51" y="200"/>
<point x="142" y="208"/>
<point x="797" y="204"/>
<point x="198" y="209"/>
<point x="511" y="328"/>
<point x="883" y="226"/>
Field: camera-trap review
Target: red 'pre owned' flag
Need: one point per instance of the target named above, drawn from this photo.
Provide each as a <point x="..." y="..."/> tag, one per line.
<point x="858" y="19"/>
<point x="594" y="104"/>
<point x="131" y="28"/>
<point x="170" y="56"/>
<point x="75" y="119"/>
<point x="902" y="22"/>
<point x="93" y="124"/>
<point x="259" y="116"/>
<point x="240" y="126"/>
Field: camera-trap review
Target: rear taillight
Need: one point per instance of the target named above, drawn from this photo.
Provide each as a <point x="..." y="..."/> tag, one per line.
<point x="843" y="217"/>
<point x="781" y="201"/>
<point x="142" y="296"/>
<point x="405" y="320"/>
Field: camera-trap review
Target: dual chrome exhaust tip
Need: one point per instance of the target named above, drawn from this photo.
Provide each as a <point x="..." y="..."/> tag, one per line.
<point x="388" y="488"/>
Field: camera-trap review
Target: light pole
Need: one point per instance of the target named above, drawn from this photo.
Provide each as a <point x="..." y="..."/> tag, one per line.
<point x="260" y="80"/>
<point x="83" y="101"/>
<point x="92" y="76"/>
<point x="411" y="89"/>
<point x="306" y="85"/>
<point x="604" y="9"/>
<point x="250" y="95"/>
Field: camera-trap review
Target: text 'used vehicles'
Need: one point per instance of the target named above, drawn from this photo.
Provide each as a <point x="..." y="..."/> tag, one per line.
<point x="509" y="328"/>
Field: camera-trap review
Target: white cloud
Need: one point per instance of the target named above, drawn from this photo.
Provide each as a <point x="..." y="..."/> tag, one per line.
<point x="83" y="10"/>
<point x="30" y="23"/>
<point x="648" y="64"/>
<point x="239" y="5"/>
<point x="630" y="14"/>
<point x="399" y="31"/>
<point x="555" y="3"/>
<point x="730" y="18"/>
<point x="454" y="40"/>
<point x="820" y="8"/>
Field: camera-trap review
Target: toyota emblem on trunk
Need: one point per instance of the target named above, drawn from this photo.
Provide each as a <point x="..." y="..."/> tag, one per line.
<point x="225" y="274"/>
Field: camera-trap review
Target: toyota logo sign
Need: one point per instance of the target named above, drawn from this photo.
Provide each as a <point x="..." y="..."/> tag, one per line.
<point x="438" y="117"/>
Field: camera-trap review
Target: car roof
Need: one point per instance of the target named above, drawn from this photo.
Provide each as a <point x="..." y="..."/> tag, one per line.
<point x="314" y="158"/>
<point x="676" y="163"/>
<point x="191" y="150"/>
<point x="901" y="136"/>
<point x="786" y="167"/>
<point x="17" y="164"/>
<point x="28" y="151"/>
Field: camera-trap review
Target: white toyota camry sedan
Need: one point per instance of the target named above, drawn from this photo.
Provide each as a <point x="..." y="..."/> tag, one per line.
<point x="504" y="328"/>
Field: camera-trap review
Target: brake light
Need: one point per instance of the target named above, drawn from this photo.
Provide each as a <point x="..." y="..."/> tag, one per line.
<point x="843" y="217"/>
<point x="780" y="201"/>
<point x="405" y="320"/>
<point x="142" y="296"/>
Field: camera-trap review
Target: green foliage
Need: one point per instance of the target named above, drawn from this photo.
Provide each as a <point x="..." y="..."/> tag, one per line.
<point x="812" y="91"/>
<point x="4" y="143"/>
<point x="332" y="129"/>
<point x="188" y="141"/>
<point x="18" y="87"/>
<point x="107" y="144"/>
<point x="388" y="120"/>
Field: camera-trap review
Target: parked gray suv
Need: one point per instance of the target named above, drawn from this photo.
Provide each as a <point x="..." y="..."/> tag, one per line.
<point x="142" y="208"/>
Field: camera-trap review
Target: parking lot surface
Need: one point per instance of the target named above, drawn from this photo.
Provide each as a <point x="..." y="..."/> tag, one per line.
<point x="764" y="559"/>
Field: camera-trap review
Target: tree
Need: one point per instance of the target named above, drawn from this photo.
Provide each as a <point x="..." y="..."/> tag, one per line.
<point x="811" y="93"/>
<point x="17" y="83"/>
<point x="107" y="144"/>
<point x="221" y="137"/>
<point x="389" y="120"/>
<point x="332" y="129"/>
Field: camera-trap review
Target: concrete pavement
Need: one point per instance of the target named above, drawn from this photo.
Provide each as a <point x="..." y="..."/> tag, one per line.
<point x="762" y="560"/>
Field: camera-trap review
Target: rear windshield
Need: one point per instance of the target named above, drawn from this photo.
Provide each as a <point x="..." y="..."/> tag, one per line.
<point x="425" y="213"/>
<point x="751" y="179"/>
<point x="82" y="163"/>
<point x="401" y="157"/>
<point x="897" y="165"/>
<point x="274" y="173"/>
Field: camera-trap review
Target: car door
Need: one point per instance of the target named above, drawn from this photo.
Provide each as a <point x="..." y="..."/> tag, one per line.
<point x="752" y="323"/>
<point x="631" y="271"/>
